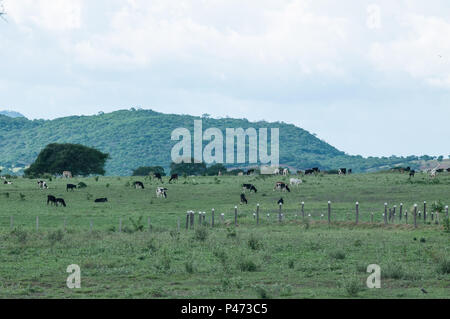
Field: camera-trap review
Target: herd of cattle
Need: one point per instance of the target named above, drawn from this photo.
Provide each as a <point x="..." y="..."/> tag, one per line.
<point x="161" y="192"/>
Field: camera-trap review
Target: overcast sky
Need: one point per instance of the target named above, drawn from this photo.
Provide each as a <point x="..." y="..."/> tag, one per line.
<point x="369" y="77"/>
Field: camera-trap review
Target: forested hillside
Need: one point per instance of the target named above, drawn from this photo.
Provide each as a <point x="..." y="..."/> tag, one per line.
<point x="136" y="138"/>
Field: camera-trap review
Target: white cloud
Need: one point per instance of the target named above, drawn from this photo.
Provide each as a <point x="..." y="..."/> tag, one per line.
<point x="423" y="52"/>
<point x="55" y="15"/>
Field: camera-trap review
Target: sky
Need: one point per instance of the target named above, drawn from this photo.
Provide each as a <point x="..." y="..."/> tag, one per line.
<point x="371" y="78"/>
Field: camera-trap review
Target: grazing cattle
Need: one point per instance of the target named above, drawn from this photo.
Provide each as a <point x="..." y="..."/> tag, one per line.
<point x="309" y="172"/>
<point x="448" y="169"/>
<point x="7" y="183"/>
<point x="282" y="186"/>
<point x="158" y="176"/>
<point x="243" y="199"/>
<point x="285" y="172"/>
<point x="408" y="169"/>
<point x="67" y="174"/>
<point x="412" y="173"/>
<point x="60" y="201"/>
<point x="101" y="200"/>
<point x="295" y="182"/>
<point x="276" y="171"/>
<point x="350" y="171"/>
<point x="42" y="185"/>
<point x="281" y="201"/>
<point x="316" y="170"/>
<point x="249" y="187"/>
<point x="342" y="171"/>
<point x="139" y="185"/>
<point x="441" y="170"/>
<point x="174" y="177"/>
<point x="161" y="192"/>
<point x="250" y="172"/>
<point x="240" y="174"/>
<point x="52" y="199"/>
<point x="71" y="187"/>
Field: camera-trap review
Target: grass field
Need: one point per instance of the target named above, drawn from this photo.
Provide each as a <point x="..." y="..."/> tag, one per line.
<point x="298" y="258"/>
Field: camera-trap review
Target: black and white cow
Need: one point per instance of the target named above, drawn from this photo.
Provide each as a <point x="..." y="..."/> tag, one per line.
<point x="342" y="171"/>
<point x="42" y="185"/>
<point x="7" y="182"/>
<point x="139" y="185"/>
<point x="161" y="192"/>
<point x="282" y="186"/>
<point x="174" y="177"/>
<point x="250" y="172"/>
<point x="101" y="200"/>
<point x="61" y="201"/>
<point x="250" y="187"/>
<point x="243" y="199"/>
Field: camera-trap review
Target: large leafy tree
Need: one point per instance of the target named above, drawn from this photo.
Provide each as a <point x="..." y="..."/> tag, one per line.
<point x="188" y="168"/>
<point x="76" y="158"/>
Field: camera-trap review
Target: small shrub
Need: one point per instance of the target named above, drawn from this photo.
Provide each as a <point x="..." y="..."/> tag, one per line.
<point x="254" y="243"/>
<point x="352" y="286"/>
<point x="393" y="271"/>
<point x="189" y="267"/>
<point x="22" y="196"/>
<point x="291" y="264"/>
<point x="247" y="265"/>
<point x="96" y="178"/>
<point x="201" y="233"/>
<point x="231" y="232"/>
<point x="20" y="234"/>
<point x="338" y="254"/>
<point x="55" y="236"/>
<point x="262" y="292"/>
<point x="447" y="225"/>
<point x="82" y="185"/>
<point x="444" y="266"/>
<point x="138" y="225"/>
<point x="107" y="185"/>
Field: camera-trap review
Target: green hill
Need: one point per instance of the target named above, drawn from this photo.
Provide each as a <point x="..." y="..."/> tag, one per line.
<point x="136" y="138"/>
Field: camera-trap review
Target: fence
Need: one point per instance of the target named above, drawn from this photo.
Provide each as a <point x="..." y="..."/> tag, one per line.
<point x="393" y="215"/>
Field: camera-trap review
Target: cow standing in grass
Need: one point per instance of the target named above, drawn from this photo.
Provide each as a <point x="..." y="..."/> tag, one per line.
<point x="249" y="187"/>
<point x="139" y="185"/>
<point x="161" y="192"/>
<point x="282" y="186"/>
<point x="71" y="187"/>
<point x="243" y="199"/>
<point x="174" y="177"/>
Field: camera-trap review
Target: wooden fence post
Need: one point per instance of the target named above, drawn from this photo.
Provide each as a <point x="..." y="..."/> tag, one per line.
<point x="393" y="213"/>
<point x="329" y="212"/>
<point x="357" y="213"/>
<point x="279" y="213"/>
<point x="401" y="211"/>
<point x="257" y="214"/>
<point x="212" y="217"/>
<point x="37" y="223"/>
<point x="200" y="218"/>
<point x="192" y="219"/>
<point x="390" y="215"/>
<point x="385" y="213"/>
<point x="235" y="215"/>
<point x="424" y="211"/>
<point x="406" y="216"/>
<point x="188" y="215"/>
<point x="432" y="216"/>
<point x="303" y="210"/>
<point x="415" y="215"/>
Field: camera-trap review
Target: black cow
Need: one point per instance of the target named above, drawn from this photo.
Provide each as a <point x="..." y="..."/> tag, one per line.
<point x="350" y="171"/>
<point x="139" y="185"/>
<point x="448" y="170"/>
<point x="174" y="177"/>
<point x="342" y="171"/>
<point x="250" y="171"/>
<point x="316" y="170"/>
<point x="60" y="201"/>
<point x="412" y="173"/>
<point x="281" y="201"/>
<point x="408" y="169"/>
<point x="71" y="187"/>
<point x="101" y="200"/>
<point x="440" y="170"/>
<point x="243" y="199"/>
<point x="52" y="199"/>
<point x="309" y="172"/>
<point x="249" y="187"/>
<point x="158" y="176"/>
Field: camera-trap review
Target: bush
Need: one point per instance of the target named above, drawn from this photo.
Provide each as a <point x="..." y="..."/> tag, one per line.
<point x="20" y="234"/>
<point x="393" y="271"/>
<point x="247" y="265"/>
<point x="189" y="267"/>
<point x="82" y="185"/>
<point x="352" y="286"/>
<point x="444" y="266"/>
<point x="254" y="243"/>
<point x="55" y="236"/>
<point x="201" y="233"/>
<point x="338" y="254"/>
